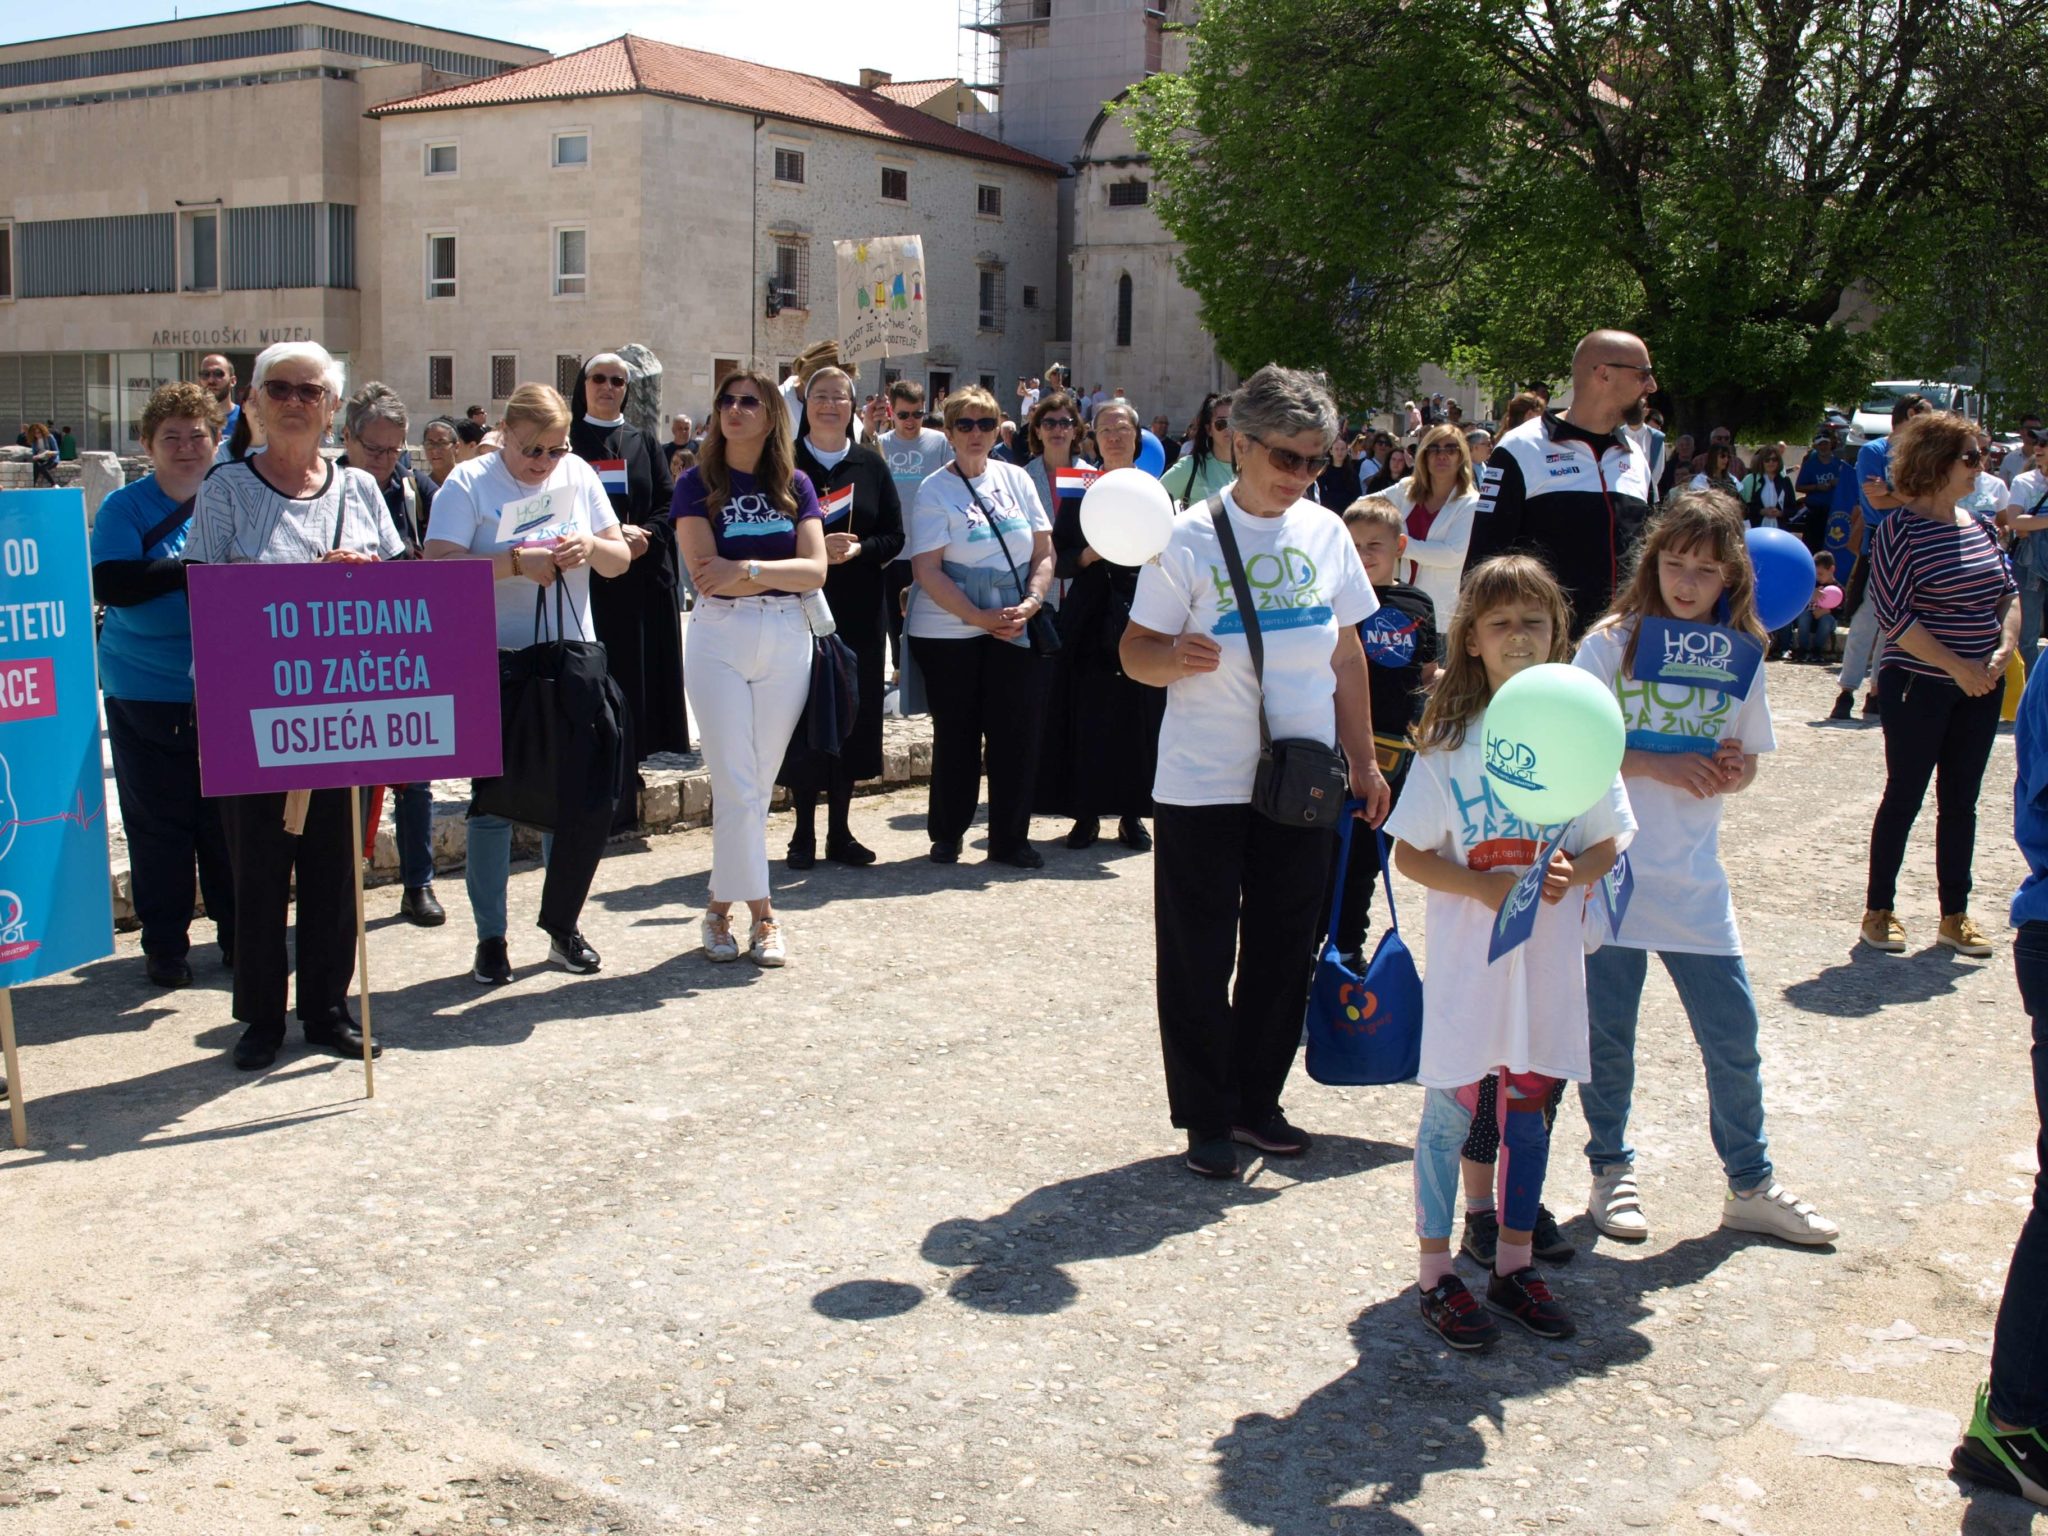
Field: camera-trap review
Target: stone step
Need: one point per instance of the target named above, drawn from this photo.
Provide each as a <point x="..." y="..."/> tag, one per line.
<point x="677" y="797"/>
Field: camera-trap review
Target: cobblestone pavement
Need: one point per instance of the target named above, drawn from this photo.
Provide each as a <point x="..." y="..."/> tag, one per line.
<point x="894" y="1240"/>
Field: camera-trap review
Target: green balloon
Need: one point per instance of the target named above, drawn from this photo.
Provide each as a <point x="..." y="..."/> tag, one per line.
<point x="1554" y="739"/>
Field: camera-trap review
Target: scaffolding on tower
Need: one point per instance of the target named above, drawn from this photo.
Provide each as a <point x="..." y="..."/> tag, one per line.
<point x="983" y="28"/>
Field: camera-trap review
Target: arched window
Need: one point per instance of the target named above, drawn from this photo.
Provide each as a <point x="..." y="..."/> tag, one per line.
<point x="1123" y="310"/>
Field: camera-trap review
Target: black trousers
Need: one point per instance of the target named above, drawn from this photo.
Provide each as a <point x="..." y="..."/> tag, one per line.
<point x="1932" y="729"/>
<point x="266" y="858"/>
<point x="1228" y="882"/>
<point x="896" y="581"/>
<point x="989" y="691"/>
<point x="2019" y="1349"/>
<point x="168" y="825"/>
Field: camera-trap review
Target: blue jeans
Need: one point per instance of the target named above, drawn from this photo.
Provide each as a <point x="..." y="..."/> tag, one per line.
<point x="488" y="871"/>
<point x="1715" y="992"/>
<point x="2019" y="1349"/>
<point x="1813" y="633"/>
<point x="412" y="815"/>
<point x="2031" y="593"/>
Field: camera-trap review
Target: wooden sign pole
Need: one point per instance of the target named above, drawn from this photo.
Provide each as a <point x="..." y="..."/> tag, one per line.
<point x="355" y="820"/>
<point x="15" y="1112"/>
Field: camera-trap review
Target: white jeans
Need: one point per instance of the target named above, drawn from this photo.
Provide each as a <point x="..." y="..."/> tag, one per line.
<point x="747" y="672"/>
<point x="1860" y="647"/>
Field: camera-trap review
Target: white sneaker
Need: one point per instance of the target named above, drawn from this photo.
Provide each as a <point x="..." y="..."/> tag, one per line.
<point x="719" y="943"/>
<point x="766" y="947"/>
<point x="1616" y="1205"/>
<point x="1774" y="1211"/>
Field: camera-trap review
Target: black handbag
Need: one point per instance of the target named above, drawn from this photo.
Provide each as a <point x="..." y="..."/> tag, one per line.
<point x="1041" y="629"/>
<point x="1300" y="782"/>
<point x="563" y="722"/>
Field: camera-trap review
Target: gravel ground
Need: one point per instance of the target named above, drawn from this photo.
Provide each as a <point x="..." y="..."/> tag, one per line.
<point x="894" y="1240"/>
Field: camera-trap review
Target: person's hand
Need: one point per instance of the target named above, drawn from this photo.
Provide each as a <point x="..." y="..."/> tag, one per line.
<point x="1694" y="772"/>
<point x="1498" y="882"/>
<point x="635" y="537"/>
<point x="1558" y="878"/>
<point x="1088" y="556"/>
<point x="1370" y="785"/>
<point x="1975" y="677"/>
<point x="572" y="550"/>
<point x="841" y="547"/>
<point x="1003" y="623"/>
<point x="1729" y="758"/>
<point x="535" y="563"/>
<point x="1196" y="652"/>
<point x="716" y="576"/>
<point x="346" y="557"/>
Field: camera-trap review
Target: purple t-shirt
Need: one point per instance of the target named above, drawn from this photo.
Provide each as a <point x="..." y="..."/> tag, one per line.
<point x="749" y="526"/>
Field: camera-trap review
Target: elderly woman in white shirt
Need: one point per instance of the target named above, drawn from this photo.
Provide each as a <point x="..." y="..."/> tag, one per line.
<point x="1437" y="504"/>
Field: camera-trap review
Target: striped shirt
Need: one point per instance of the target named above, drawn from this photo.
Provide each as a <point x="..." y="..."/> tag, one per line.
<point x="238" y="519"/>
<point x="1947" y="578"/>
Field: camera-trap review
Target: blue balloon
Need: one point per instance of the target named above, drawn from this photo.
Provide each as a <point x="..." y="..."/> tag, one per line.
<point x="1151" y="454"/>
<point x="1784" y="575"/>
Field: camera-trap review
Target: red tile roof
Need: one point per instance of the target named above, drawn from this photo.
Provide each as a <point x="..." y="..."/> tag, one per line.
<point x="914" y="93"/>
<point x="638" y="65"/>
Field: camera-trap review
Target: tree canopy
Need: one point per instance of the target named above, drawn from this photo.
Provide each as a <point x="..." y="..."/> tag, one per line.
<point x="1368" y="185"/>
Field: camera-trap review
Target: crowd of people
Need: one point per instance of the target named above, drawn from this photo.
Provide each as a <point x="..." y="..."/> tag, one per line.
<point x="1352" y="591"/>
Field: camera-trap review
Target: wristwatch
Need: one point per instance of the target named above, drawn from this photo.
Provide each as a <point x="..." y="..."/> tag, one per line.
<point x="754" y="571"/>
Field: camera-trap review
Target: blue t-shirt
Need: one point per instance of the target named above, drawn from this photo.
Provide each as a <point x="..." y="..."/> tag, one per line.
<point x="1817" y="481"/>
<point x="1873" y="462"/>
<point x="748" y="526"/>
<point x="146" y="649"/>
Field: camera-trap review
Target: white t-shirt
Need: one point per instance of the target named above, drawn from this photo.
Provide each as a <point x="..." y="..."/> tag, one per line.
<point x="1682" y="902"/>
<point x="945" y="518"/>
<point x="1990" y="496"/>
<point x="1307" y="581"/>
<point x="910" y="461"/>
<point x="1527" y="1010"/>
<point x="466" y="512"/>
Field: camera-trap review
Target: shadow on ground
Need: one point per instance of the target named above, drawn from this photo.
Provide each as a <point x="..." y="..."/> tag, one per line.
<point x="1866" y="983"/>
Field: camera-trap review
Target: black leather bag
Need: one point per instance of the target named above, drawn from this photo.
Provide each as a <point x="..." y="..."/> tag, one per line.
<point x="1300" y="782"/>
<point x="563" y="720"/>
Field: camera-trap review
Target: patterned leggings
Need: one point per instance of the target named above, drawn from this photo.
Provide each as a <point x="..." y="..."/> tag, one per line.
<point x="1484" y="1143"/>
<point x="1518" y="1133"/>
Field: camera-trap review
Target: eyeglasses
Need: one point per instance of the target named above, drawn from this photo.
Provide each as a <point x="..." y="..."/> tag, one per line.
<point x="1058" y="424"/>
<point x="561" y="451"/>
<point x="372" y="451"/>
<point x="912" y="415"/>
<point x="744" y="403"/>
<point x="305" y="394"/>
<point x="614" y="380"/>
<point x="1219" y="424"/>
<point x="1288" y="462"/>
<point x="1971" y="457"/>
<point x="1642" y="368"/>
<point x="976" y="423"/>
<point x="438" y="442"/>
<point x="213" y="373"/>
<point x="1449" y="448"/>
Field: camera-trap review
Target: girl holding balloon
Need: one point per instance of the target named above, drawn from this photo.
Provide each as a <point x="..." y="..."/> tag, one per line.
<point x="1689" y="746"/>
<point x="1521" y="1017"/>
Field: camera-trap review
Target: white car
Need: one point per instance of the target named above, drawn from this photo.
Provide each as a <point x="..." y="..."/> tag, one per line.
<point x="1873" y="418"/>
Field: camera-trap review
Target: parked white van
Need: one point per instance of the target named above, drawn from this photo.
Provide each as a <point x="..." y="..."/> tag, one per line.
<point x="1873" y="418"/>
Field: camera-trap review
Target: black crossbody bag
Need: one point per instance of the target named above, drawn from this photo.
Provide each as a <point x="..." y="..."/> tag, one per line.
<point x="1300" y="781"/>
<point x="1040" y="629"/>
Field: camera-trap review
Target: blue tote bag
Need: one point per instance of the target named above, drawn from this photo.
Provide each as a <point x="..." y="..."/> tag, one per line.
<point x="1365" y="1030"/>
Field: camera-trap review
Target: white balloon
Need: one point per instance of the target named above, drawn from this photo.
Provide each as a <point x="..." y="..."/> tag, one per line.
<point x="1127" y="517"/>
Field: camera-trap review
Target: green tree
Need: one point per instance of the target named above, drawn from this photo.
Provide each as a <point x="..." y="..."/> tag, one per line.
<point x="1365" y="185"/>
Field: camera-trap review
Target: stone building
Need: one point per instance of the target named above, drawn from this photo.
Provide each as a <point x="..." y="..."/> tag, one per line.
<point x="195" y="186"/>
<point x="641" y="191"/>
<point x="457" y="214"/>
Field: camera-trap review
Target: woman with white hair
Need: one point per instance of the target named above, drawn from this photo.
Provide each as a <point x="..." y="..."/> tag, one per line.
<point x="287" y="506"/>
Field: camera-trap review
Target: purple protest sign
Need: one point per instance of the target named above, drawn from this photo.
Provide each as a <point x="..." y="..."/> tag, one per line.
<point x="331" y="675"/>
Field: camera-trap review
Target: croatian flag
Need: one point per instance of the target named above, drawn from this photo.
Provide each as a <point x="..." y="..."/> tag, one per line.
<point x="1073" y="481"/>
<point x="613" y="473"/>
<point x="836" y="504"/>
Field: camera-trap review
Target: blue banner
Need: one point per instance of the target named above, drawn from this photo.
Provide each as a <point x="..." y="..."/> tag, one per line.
<point x="1618" y="885"/>
<point x="1687" y="655"/>
<point x="1516" y="919"/>
<point x="56" y="901"/>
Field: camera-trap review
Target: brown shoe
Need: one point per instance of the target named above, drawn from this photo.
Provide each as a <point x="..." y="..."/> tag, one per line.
<point x="1958" y="933"/>
<point x="1882" y="931"/>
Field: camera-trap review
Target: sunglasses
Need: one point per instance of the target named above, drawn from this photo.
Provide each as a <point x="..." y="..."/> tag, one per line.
<point x="614" y="380"/>
<point x="976" y="423"/>
<point x="213" y="373"/>
<point x="536" y="451"/>
<point x="1449" y="448"/>
<point x="1971" y="457"/>
<point x="1220" y="424"/>
<point x="305" y="394"/>
<point x="746" y="403"/>
<point x="910" y="415"/>
<point x="1288" y="462"/>
<point x="1058" y="424"/>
